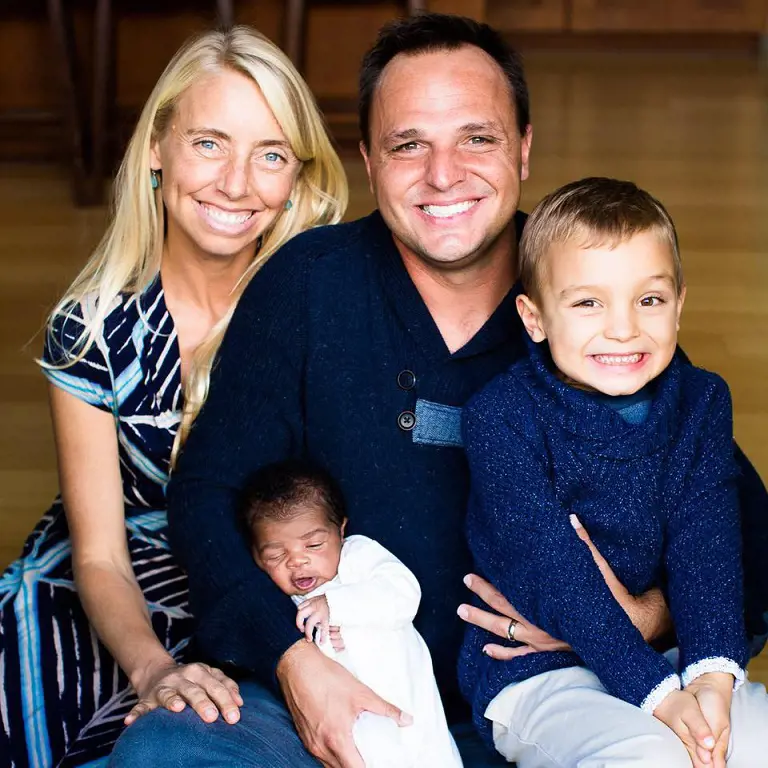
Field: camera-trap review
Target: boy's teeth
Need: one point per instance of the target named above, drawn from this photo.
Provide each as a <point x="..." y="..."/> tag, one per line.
<point x="226" y="218"/>
<point x="619" y="359"/>
<point x="443" y="211"/>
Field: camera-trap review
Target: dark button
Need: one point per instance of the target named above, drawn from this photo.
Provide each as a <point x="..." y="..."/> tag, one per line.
<point x="406" y="420"/>
<point x="406" y="379"/>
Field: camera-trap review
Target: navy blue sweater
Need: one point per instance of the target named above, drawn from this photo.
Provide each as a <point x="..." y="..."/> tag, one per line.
<point x="330" y="352"/>
<point x="658" y="498"/>
<point x="318" y="360"/>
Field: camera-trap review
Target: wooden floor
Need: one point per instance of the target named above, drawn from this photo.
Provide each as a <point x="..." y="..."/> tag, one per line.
<point x="691" y="129"/>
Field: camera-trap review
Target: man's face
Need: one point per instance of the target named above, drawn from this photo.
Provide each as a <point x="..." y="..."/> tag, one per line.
<point x="446" y="158"/>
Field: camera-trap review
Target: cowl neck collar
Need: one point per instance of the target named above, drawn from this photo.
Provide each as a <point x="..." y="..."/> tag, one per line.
<point x="600" y="427"/>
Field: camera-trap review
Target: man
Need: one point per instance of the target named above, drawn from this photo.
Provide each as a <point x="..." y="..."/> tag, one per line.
<point x="357" y="345"/>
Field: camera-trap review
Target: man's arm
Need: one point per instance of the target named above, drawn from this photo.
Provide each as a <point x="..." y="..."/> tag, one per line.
<point x="514" y="518"/>
<point x="379" y="591"/>
<point x="253" y="416"/>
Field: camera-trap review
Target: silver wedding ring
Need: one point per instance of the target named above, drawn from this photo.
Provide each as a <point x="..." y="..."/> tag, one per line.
<point x="511" y="630"/>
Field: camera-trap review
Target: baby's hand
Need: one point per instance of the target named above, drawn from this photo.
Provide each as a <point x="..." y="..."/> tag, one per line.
<point x="714" y="691"/>
<point x="681" y="712"/>
<point x="314" y="613"/>
<point x="337" y="641"/>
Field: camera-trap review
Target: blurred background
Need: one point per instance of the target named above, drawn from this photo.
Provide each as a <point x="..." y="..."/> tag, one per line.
<point x="672" y="94"/>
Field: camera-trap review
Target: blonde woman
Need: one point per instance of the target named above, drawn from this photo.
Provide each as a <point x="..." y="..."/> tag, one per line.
<point x="229" y="160"/>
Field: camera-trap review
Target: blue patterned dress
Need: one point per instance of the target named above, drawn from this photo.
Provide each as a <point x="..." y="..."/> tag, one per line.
<point x="62" y="696"/>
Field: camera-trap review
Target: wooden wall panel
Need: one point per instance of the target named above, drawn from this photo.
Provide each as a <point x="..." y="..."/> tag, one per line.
<point x="622" y="15"/>
<point x="721" y="16"/>
<point x="475" y="9"/>
<point x="528" y="15"/>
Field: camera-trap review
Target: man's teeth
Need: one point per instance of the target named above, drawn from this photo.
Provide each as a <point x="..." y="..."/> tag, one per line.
<point x="444" y="211"/>
<point x="619" y="359"/>
<point x="227" y="218"/>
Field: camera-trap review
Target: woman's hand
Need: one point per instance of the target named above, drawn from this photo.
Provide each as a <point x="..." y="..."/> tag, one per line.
<point x="174" y="686"/>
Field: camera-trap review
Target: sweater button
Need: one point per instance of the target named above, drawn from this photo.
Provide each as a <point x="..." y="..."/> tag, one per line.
<point x="406" y="420"/>
<point x="406" y="379"/>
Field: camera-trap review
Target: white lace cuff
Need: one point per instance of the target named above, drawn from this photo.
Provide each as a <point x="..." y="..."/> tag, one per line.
<point x="660" y="692"/>
<point x="715" y="664"/>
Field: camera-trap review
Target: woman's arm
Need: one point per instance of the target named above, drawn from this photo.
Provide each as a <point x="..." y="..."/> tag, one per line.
<point x="91" y="489"/>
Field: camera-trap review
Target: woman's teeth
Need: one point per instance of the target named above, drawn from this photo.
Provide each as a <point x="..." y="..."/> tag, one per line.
<point x="224" y="217"/>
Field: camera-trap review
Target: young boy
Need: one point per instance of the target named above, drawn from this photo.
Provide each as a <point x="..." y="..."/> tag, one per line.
<point x="357" y="601"/>
<point x="605" y="426"/>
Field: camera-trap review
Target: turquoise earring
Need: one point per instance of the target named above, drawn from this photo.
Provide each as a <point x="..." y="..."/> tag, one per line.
<point x="288" y="205"/>
<point x="155" y="179"/>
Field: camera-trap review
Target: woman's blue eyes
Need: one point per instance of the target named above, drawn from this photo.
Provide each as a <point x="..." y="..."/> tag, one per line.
<point x="209" y="145"/>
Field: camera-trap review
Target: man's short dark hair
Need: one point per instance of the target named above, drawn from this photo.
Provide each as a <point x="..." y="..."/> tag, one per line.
<point x="274" y="491"/>
<point x="430" y="32"/>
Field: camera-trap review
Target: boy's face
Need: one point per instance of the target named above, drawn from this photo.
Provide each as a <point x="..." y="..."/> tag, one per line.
<point x="301" y="553"/>
<point x="611" y="315"/>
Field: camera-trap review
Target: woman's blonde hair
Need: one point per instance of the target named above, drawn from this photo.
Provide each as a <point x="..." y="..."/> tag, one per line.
<point x="127" y="259"/>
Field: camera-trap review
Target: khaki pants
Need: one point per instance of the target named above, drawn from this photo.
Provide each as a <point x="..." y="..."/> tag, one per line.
<point x="566" y="719"/>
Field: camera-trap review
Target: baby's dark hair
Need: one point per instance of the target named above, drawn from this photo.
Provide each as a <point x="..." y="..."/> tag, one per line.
<point x="272" y="493"/>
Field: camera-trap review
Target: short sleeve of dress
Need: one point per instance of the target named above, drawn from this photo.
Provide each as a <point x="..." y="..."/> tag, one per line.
<point x="87" y="378"/>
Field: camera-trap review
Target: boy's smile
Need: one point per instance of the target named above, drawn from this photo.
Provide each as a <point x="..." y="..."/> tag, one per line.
<point x="609" y="312"/>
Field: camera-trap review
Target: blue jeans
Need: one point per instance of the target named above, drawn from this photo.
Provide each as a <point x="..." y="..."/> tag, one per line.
<point x="264" y="737"/>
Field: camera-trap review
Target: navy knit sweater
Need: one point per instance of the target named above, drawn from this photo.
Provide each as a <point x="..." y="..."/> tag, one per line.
<point x="659" y="500"/>
<point x="332" y="353"/>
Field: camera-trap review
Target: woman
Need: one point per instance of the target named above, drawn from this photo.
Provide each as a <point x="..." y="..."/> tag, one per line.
<point x="230" y="158"/>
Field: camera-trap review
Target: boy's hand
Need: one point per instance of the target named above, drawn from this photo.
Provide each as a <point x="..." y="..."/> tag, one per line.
<point x="314" y="613"/>
<point x="681" y="712"/>
<point x="713" y="692"/>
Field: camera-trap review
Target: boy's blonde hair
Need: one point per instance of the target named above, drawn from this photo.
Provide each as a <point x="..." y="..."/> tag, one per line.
<point x="592" y="212"/>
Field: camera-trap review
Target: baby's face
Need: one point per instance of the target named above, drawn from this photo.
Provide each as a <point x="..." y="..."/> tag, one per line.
<point x="301" y="553"/>
<point x="610" y="314"/>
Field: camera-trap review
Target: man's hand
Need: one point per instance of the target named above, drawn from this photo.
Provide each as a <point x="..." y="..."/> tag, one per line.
<point x="533" y="638"/>
<point x="714" y="692"/>
<point x="324" y="700"/>
<point x="314" y="613"/>
<point x="681" y="712"/>
<point x="648" y="612"/>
